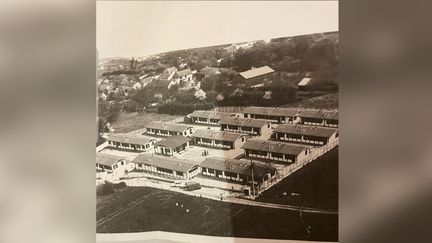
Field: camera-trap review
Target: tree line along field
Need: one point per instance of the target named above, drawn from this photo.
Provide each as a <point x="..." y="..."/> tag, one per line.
<point x="317" y="182"/>
<point x="143" y="209"/>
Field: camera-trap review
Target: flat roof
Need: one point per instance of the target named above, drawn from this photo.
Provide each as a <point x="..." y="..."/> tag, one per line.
<point x="306" y="130"/>
<point x="209" y="114"/>
<point x="107" y="159"/>
<point x="242" y="167"/>
<point x="173" y="142"/>
<point x="244" y="122"/>
<point x="255" y="72"/>
<point x="271" y="111"/>
<point x="217" y="135"/>
<point x="173" y="127"/>
<point x="131" y="139"/>
<point x="273" y="146"/>
<point x="163" y="162"/>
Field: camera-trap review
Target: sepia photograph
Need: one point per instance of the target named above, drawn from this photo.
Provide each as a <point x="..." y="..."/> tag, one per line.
<point x="218" y="119"/>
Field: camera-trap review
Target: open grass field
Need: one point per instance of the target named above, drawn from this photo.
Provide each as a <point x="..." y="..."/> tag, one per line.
<point x="127" y="122"/>
<point x="147" y="209"/>
<point x="317" y="183"/>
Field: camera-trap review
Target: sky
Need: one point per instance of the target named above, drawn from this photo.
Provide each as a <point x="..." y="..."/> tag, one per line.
<point x="141" y="28"/>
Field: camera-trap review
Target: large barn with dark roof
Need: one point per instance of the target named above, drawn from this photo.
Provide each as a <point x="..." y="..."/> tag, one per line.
<point x="275" y="151"/>
<point x="306" y="134"/>
<point x="239" y="171"/>
<point x="218" y="139"/>
<point x="167" y="129"/>
<point x="245" y="125"/>
<point x="164" y="167"/>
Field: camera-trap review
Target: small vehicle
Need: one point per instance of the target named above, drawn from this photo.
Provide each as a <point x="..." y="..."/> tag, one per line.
<point x="191" y="186"/>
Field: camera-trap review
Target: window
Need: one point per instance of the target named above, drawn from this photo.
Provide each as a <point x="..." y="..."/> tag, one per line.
<point x="243" y="139"/>
<point x="268" y="125"/>
<point x="306" y="152"/>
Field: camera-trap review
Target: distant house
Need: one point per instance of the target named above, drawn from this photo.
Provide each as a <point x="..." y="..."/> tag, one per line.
<point x="171" y="145"/>
<point x="304" y="83"/>
<point x="109" y="163"/>
<point x="164" y="167"/>
<point x="256" y="76"/>
<point x="275" y="115"/>
<point x="209" y="71"/>
<point x="137" y="86"/>
<point x="167" y="129"/>
<point x="275" y="151"/>
<point x="235" y="46"/>
<point x="208" y="117"/>
<point x="168" y="73"/>
<point x="306" y="134"/>
<point x="245" y="125"/>
<point x="184" y="75"/>
<point x="183" y="65"/>
<point x="238" y="171"/>
<point x="325" y="118"/>
<point x="218" y="139"/>
<point x="129" y="142"/>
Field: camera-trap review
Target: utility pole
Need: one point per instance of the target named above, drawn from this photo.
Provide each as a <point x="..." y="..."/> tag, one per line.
<point x="253" y="181"/>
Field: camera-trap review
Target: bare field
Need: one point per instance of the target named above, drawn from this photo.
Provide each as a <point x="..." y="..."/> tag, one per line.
<point x="128" y="122"/>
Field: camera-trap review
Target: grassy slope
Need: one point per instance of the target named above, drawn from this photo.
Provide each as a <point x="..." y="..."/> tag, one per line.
<point x="155" y="210"/>
<point x="317" y="182"/>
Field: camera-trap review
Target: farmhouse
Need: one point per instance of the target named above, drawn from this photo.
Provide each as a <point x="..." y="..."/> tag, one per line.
<point x="218" y="139"/>
<point x="165" y="167"/>
<point x="171" y="145"/>
<point x="109" y="163"/>
<point x="167" y="129"/>
<point x="275" y="115"/>
<point x="239" y="171"/>
<point x="208" y="117"/>
<point x="129" y="142"/>
<point x="245" y="125"/>
<point x="257" y="75"/>
<point x="184" y="75"/>
<point x="319" y="118"/>
<point x="275" y="151"/>
<point x="306" y="134"/>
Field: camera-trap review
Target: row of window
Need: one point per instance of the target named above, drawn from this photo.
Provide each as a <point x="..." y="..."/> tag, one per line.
<point x="129" y="146"/>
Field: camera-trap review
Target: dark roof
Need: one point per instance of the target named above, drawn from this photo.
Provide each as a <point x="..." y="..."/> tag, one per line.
<point x="172" y="127"/>
<point x="183" y="73"/>
<point x="163" y="162"/>
<point x="306" y="130"/>
<point x="255" y="72"/>
<point x="209" y="114"/>
<point x="276" y="147"/>
<point x="320" y="114"/>
<point x="244" y="122"/>
<point x="217" y="135"/>
<point x="126" y="138"/>
<point x="242" y="167"/>
<point x="271" y="111"/>
<point x="173" y="142"/>
<point x="107" y="159"/>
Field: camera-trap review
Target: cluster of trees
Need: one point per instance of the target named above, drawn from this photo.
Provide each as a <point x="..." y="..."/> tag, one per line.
<point x="317" y="54"/>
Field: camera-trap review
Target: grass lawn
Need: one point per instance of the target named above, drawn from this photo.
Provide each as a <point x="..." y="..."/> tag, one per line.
<point x="317" y="182"/>
<point x="127" y="122"/>
<point x="149" y="209"/>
